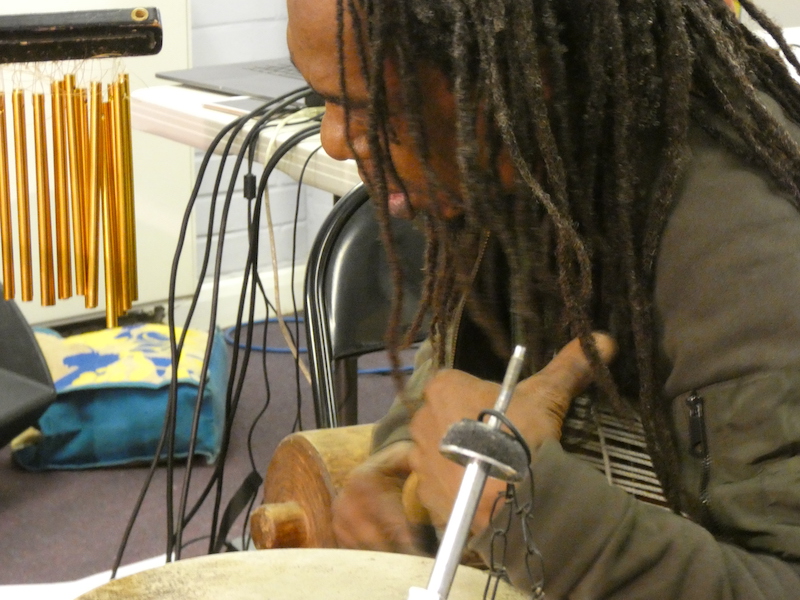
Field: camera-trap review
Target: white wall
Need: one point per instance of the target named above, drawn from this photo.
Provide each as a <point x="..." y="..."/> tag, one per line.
<point x="784" y="12"/>
<point x="238" y="31"/>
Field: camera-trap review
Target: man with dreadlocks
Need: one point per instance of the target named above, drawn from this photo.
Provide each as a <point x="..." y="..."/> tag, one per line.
<point x="625" y="166"/>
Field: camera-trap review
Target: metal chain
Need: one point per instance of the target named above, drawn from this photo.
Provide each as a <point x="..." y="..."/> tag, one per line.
<point x="498" y="550"/>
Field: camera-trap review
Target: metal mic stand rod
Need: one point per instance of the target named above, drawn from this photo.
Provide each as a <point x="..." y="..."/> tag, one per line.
<point x="469" y="494"/>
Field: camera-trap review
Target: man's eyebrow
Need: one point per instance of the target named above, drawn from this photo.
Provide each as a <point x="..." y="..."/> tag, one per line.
<point x="328" y="98"/>
<point x="325" y="97"/>
<point x="338" y="100"/>
<point x="332" y="99"/>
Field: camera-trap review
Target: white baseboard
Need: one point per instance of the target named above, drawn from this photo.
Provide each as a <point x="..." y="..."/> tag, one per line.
<point x="230" y="289"/>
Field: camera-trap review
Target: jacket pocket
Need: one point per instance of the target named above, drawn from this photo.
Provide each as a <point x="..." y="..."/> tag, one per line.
<point x="739" y="444"/>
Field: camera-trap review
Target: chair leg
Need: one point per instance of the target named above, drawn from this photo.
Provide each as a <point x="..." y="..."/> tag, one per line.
<point x="345" y="381"/>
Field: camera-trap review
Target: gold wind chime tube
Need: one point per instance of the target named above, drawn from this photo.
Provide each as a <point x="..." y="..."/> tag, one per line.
<point x="61" y="189"/>
<point x="116" y="192"/>
<point x="127" y="163"/>
<point x="127" y="129"/>
<point x="95" y="162"/>
<point x="7" y="246"/>
<point x="73" y="139"/>
<point x="113" y="267"/>
<point x="83" y="172"/>
<point x="23" y="197"/>
<point x="124" y="193"/>
<point x="46" y="272"/>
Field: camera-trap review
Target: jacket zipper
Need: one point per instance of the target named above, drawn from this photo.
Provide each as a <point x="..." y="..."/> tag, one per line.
<point x="450" y="358"/>
<point x="698" y="447"/>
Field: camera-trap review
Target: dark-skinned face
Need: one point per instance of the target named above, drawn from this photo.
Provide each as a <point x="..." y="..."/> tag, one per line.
<point x="311" y="36"/>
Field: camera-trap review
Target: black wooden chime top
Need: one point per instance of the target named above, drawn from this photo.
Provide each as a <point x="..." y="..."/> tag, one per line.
<point x="80" y="35"/>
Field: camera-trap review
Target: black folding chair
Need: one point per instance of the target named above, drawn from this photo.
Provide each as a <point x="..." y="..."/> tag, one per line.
<point x="347" y="300"/>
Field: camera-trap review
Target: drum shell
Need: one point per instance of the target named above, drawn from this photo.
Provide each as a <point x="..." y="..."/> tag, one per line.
<point x="304" y="475"/>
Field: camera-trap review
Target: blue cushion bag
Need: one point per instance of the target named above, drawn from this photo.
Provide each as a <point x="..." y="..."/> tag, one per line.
<point x="113" y="387"/>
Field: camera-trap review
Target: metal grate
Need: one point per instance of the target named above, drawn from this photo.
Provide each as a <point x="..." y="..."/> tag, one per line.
<point x="615" y="446"/>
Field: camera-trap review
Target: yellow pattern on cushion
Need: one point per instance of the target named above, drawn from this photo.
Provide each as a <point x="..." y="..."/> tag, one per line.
<point x="137" y="355"/>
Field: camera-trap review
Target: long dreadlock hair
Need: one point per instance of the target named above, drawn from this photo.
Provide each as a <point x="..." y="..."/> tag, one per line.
<point x="593" y="100"/>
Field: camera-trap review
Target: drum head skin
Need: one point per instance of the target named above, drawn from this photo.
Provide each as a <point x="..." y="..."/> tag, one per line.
<point x="294" y="574"/>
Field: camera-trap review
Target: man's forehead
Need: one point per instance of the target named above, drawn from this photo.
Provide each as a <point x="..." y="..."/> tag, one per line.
<point x="314" y="48"/>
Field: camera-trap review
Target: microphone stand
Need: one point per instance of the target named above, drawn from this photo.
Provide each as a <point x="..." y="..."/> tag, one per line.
<point x="463" y="444"/>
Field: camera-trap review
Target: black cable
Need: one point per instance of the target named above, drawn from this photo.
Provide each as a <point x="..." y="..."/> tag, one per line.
<point x="194" y="541"/>
<point x="268" y="349"/>
<point x="251" y="264"/>
<point x="212" y="480"/>
<point x="248" y="141"/>
<point x="264" y="348"/>
<point x="511" y="427"/>
<point x="269" y="110"/>
<point x="299" y="414"/>
<point x="234" y="389"/>
<point x="263" y="410"/>
<point x="170" y="415"/>
<point x="290" y="143"/>
<point x="232" y="394"/>
<point x="214" y="539"/>
<point x="169" y="421"/>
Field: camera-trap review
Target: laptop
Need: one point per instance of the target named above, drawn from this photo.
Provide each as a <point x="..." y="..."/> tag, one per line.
<point x="265" y="79"/>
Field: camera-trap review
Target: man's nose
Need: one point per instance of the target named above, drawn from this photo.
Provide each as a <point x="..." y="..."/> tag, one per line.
<point x="333" y="133"/>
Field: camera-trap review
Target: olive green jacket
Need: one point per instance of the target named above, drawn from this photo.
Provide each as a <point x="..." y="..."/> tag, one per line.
<point x="727" y="298"/>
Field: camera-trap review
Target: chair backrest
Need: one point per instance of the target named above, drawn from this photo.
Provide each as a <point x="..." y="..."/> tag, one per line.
<point x="347" y="299"/>
<point x="26" y="387"/>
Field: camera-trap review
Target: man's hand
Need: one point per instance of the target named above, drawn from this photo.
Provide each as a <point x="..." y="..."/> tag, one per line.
<point x="368" y="511"/>
<point x="537" y="409"/>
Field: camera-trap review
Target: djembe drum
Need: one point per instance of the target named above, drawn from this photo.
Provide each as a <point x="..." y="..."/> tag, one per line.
<point x="294" y="574"/>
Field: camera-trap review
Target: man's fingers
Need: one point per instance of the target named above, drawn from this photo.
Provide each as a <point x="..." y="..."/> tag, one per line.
<point x="412" y="506"/>
<point x="570" y="371"/>
<point x="393" y="459"/>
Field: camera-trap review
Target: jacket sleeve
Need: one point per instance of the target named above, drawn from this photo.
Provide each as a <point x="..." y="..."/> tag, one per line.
<point x="597" y="541"/>
<point x="394" y="426"/>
